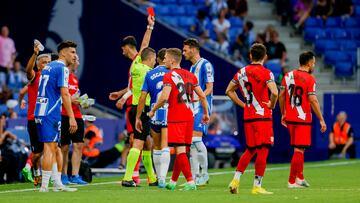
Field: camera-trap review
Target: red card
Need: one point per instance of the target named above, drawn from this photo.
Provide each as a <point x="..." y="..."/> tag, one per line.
<point x="150" y="11"/>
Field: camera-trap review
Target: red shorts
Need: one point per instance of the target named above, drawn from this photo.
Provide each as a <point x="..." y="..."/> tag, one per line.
<point x="180" y="133"/>
<point x="259" y="133"/>
<point x="300" y="135"/>
<point x="129" y="127"/>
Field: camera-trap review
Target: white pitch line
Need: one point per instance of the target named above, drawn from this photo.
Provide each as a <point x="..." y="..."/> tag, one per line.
<point x="215" y="174"/>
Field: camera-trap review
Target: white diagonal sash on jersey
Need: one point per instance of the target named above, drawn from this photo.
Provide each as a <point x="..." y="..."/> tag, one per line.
<point x="289" y="79"/>
<point x="242" y="77"/>
<point x="176" y="78"/>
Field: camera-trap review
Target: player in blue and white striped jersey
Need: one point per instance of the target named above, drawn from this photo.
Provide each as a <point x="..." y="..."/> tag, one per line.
<point x="153" y="85"/>
<point x="204" y="72"/>
<point x="52" y="91"/>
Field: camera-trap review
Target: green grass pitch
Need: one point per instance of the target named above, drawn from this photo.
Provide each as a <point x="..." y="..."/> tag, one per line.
<point x="331" y="181"/>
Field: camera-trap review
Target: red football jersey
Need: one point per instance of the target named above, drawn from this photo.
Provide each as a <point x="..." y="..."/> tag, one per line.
<point x="252" y="81"/>
<point x="298" y="86"/>
<point x="73" y="89"/>
<point x="182" y="83"/>
<point x="32" y="95"/>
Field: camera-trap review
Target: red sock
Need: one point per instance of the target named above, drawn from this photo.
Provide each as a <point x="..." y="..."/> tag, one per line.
<point x="260" y="163"/>
<point x="185" y="166"/>
<point x="245" y="160"/>
<point x="176" y="169"/>
<point x="295" y="165"/>
<point x="29" y="159"/>
<point x="137" y="166"/>
<point x="300" y="171"/>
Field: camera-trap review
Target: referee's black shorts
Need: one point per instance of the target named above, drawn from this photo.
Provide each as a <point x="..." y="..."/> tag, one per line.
<point x="145" y="123"/>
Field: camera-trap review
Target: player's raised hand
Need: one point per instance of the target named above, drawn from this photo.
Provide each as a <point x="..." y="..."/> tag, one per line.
<point x="283" y="121"/>
<point x="205" y="119"/>
<point x="323" y="126"/>
<point x="151" y="20"/>
<point x="73" y="125"/>
<point x="114" y="95"/>
<point x="36" y="48"/>
<point x="138" y="125"/>
<point x="151" y="114"/>
<point x="120" y="103"/>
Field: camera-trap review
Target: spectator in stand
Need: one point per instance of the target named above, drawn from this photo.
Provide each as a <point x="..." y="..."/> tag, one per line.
<point x="260" y="38"/>
<point x="200" y="28"/>
<point x="5" y="94"/>
<point x="7" y="50"/>
<point x="302" y="11"/>
<point x="9" y="163"/>
<point x="342" y="8"/>
<point x="221" y="24"/>
<point x="282" y="10"/>
<point x="222" y="44"/>
<point x="322" y="9"/>
<point x="248" y="34"/>
<point x="16" y="78"/>
<point x="238" y="7"/>
<point x="268" y="30"/>
<point x="240" y="52"/>
<point x="276" y="50"/>
<point x="216" y="6"/>
<point x="11" y="113"/>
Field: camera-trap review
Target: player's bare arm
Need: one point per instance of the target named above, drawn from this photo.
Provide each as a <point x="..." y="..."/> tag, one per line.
<point x="316" y="108"/>
<point x="22" y="94"/>
<point x="116" y="95"/>
<point x="147" y="36"/>
<point x="121" y="102"/>
<point x="65" y="96"/>
<point x="139" y="110"/>
<point x="282" y="106"/>
<point x="230" y="92"/>
<point x="162" y="100"/>
<point x="209" y="88"/>
<point x="30" y="73"/>
<point x="274" y="95"/>
<point x="204" y="103"/>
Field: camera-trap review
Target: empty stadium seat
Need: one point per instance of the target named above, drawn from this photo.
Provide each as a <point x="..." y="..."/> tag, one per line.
<point x="325" y="45"/>
<point x="178" y="10"/>
<point x="348" y="45"/>
<point x="200" y="2"/>
<point x="333" y="22"/>
<point x="186" y="22"/>
<point x="191" y="10"/>
<point x="337" y="33"/>
<point x="3" y="108"/>
<point x="354" y="32"/>
<point x="313" y="22"/>
<point x="172" y="20"/>
<point x="162" y="10"/>
<point x="312" y="34"/>
<point x="344" y="69"/>
<point x="332" y="57"/>
<point x="275" y="68"/>
<point x="182" y="2"/>
<point x="351" y="22"/>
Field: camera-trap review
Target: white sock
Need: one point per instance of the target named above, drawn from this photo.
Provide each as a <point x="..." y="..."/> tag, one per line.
<point x="27" y="166"/>
<point x="37" y="172"/>
<point x="194" y="162"/>
<point x="164" y="162"/>
<point x="45" y="178"/>
<point x="135" y="174"/>
<point x="56" y="176"/>
<point x="202" y="155"/>
<point x="237" y="175"/>
<point x="157" y="161"/>
<point x="258" y="181"/>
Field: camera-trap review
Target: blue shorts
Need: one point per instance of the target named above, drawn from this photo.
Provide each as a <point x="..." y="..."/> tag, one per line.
<point x="198" y="126"/>
<point x="157" y="128"/>
<point x="48" y="129"/>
